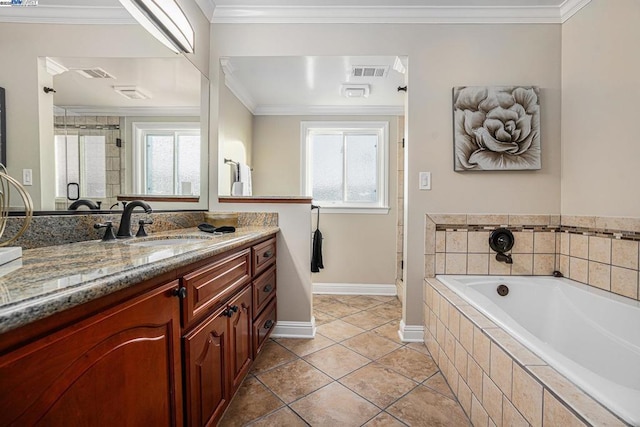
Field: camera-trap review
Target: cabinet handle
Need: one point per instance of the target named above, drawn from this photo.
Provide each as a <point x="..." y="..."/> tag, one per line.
<point x="267" y="288"/>
<point x="180" y="292"/>
<point x="234" y="308"/>
<point x="267" y="254"/>
<point x="268" y="324"/>
<point x="228" y="312"/>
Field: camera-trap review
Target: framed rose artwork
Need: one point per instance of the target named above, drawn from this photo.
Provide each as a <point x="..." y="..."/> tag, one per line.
<point x="496" y="128"/>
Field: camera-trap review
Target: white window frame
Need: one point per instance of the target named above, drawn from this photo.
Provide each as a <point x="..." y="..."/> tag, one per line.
<point x="381" y="206"/>
<point x="140" y="130"/>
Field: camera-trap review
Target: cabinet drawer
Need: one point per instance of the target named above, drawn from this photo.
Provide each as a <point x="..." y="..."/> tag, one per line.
<point x="212" y="284"/>
<point x="263" y="326"/>
<point x="264" y="254"/>
<point x="264" y="288"/>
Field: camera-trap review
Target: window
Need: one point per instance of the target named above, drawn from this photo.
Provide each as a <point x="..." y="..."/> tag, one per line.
<point x="167" y="158"/>
<point x="80" y="159"/>
<point x="345" y="165"/>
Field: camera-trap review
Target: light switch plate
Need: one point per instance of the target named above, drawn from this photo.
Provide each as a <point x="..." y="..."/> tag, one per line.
<point x="27" y="177"/>
<point x="425" y="181"/>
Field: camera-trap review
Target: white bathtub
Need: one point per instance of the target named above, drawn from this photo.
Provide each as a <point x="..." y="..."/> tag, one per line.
<point x="590" y="336"/>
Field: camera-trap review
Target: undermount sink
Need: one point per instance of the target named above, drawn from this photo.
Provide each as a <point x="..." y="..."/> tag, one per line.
<point x="163" y="241"/>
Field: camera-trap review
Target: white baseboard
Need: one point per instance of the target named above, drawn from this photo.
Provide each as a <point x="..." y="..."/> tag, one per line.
<point x="285" y="329"/>
<point x="411" y="333"/>
<point x="355" y="289"/>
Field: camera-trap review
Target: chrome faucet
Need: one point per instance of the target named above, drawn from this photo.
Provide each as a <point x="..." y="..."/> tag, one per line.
<point x="124" y="230"/>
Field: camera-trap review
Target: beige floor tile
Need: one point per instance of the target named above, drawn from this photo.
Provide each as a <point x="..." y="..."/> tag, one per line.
<point x="362" y="302"/>
<point x="281" y="417"/>
<point x="272" y="355"/>
<point x="439" y="384"/>
<point x="302" y="347"/>
<point x="386" y="311"/>
<point x="371" y="345"/>
<point x="418" y="346"/>
<point x="325" y="299"/>
<point x="365" y="320"/>
<point x="385" y="298"/>
<point x="425" y="407"/>
<point x="389" y="331"/>
<point x="253" y="400"/>
<point x="334" y="405"/>
<point x="337" y="361"/>
<point x="337" y="309"/>
<point x="339" y="330"/>
<point x="378" y="384"/>
<point x="294" y="380"/>
<point x="410" y="363"/>
<point x="384" y="420"/>
<point x="322" y="317"/>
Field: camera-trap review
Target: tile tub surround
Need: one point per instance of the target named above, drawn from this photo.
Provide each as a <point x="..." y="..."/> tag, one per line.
<point x="603" y="252"/>
<point x="53" y="279"/>
<point x="496" y="379"/>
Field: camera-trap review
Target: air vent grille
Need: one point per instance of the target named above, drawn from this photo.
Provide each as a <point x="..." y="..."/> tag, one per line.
<point x="369" y="70"/>
<point x="94" y="73"/>
<point x="132" y="92"/>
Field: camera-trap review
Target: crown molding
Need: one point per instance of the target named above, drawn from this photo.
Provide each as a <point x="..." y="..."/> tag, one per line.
<point x="80" y="110"/>
<point x="328" y="110"/>
<point x="207" y="7"/>
<point x="570" y="8"/>
<point x="227" y="14"/>
<point x="236" y="87"/>
<point x="66" y="15"/>
<point x="53" y="67"/>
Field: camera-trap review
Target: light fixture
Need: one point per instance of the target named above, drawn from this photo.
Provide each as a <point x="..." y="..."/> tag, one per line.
<point x="350" y="90"/>
<point x="165" y="21"/>
<point x="132" y="92"/>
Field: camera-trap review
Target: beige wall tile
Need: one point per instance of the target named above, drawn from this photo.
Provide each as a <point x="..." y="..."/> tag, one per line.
<point x="482" y="349"/>
<point x="578" y="221"/>
<point x="461" y="360"/>
<point x="429" y="240"/>
<point x="487" y="219"/>
<point x="510" y="415"/>
<point x="498" y="268"/>
<point x="478" y="242"/>
<point x="579" y="246"/>
<point x="441" y="333"/>
<point x="556" y="414"/>
<point x="501" y="369"/>
<point x="544" y="242"/>
<point x="478" y="264"/>
<point x="448" y="219"/>
<point x="600" y="275"/>
<point x="624" y="253"/>
<point x="444" y="312"/>
<point x="544" y="264"/>
<point x="440" y="261"/>
<point x="456" y="241"/>
<point x="454" y="321"/>
<point x="522" y="264"/>
<point x="429" y="265"/>
<point x="527" y="396"/>
<point x="564" y="243"/>
<point x="450" y="346"/>
<point x="564" y="265"/>
<point x="479" y="417"/>
<point x="617" y="223"/>
<point x="624" y="281"/>
<point x="522" y="242"/>
<point x="579" y="269"/>
<point x="528" y="219"/>
<point x="474" y="377"/>
<point x="466" y="334"/>
<point x="455" y="263"/>
<point x="464" y="396"/>
<point x="492" y="399"/>
<point x="554" y="220"/>
<point x="513" y="348"/>
<point x="441" y="239"/>
<point x="600" y="249"/>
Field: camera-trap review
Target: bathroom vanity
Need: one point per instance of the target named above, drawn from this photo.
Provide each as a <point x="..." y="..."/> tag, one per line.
<point x="155" y="335"/>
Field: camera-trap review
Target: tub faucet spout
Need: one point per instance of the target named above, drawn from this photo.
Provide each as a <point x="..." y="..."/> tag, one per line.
<point x="502" y="257"/>
<point x="124" y="230"/>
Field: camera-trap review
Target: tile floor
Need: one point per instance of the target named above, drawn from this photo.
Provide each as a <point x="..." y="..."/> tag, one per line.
<point x="355" y="372"/>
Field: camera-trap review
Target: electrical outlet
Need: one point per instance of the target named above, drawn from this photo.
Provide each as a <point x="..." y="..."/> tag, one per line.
<point x="27" y="176"/>
<point x="425" y="181"/>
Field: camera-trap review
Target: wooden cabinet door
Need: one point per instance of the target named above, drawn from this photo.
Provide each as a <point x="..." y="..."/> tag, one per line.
<point x="206" y="358"/>
<point x="240" y="327"/>
<point x="117" y="368"/>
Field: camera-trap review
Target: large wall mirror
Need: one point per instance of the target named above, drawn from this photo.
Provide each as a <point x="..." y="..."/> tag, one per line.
<point x="129" y="128"/>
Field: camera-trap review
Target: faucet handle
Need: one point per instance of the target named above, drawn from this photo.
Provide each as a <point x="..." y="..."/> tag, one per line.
<point x="141" y="231"/>
<point x="108" y="232"/>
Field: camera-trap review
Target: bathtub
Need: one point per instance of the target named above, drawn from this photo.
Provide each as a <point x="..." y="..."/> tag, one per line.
<point x="590" y="336"/>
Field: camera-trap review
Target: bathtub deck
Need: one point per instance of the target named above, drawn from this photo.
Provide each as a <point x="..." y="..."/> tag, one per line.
<point x="354" y="372"/>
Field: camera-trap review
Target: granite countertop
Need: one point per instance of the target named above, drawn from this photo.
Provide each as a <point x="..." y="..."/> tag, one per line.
<point x="51" y="279"/>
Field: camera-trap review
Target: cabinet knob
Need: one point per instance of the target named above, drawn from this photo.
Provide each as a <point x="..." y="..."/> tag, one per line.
<point x="267" y="288"/>
<point x="234" y="308"/>
<point x="180" y="292"/>
<point x="268" y="324"/>
<point x="267" y="254"/>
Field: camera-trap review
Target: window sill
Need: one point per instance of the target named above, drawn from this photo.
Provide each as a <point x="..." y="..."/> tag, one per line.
<point x="355" y="210"/>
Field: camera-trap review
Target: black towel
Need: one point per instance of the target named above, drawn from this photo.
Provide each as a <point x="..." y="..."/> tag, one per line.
<point x="316" y="257"/>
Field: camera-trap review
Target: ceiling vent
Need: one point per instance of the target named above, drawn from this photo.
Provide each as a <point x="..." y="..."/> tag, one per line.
<point x="93" y="73"/>
<point x="350" y="90"/>
<point x="132" y="92"/>
<point x="369" y="70"/>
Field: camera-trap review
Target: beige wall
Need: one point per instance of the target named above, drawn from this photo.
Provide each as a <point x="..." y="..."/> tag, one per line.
<point x="600" y="92"/>
<point x="235" y="137"/>
<point x="440" y="57"/>
<point x="356" y="248"/>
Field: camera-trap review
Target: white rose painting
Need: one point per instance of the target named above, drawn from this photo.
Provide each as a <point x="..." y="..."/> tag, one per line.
<point x="496" y="128"/>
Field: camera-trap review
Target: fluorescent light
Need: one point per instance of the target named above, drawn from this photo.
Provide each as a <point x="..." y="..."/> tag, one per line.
<point x="165" y="21"/>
